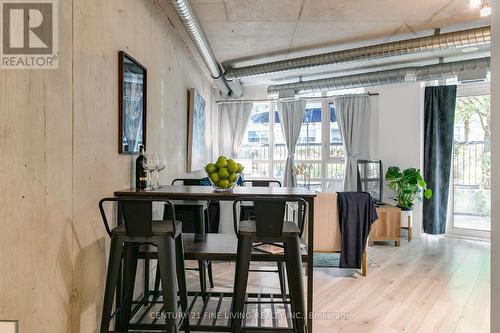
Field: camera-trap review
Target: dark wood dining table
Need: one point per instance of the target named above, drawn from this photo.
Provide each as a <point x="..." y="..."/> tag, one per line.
<point x="181" y="192"/>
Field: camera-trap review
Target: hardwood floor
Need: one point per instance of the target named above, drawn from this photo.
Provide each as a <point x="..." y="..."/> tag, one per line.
<point x="433" y="284"/>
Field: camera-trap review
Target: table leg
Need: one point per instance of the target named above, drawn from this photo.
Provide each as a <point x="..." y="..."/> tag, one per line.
<point x="146" y="278"/>
<point x="310" y="265"/>
<point x="118" y="295"/>
<point x="199" y="223"/>
<point x="363" y="264"/>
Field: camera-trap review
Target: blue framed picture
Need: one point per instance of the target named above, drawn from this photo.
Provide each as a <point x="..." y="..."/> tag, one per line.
<point x="196" y="130"/>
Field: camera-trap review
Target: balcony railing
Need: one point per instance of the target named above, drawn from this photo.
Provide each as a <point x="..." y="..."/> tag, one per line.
<point x="303" y="151"/>
<point x="259" y="155"/>
<point x="471" y="165"/>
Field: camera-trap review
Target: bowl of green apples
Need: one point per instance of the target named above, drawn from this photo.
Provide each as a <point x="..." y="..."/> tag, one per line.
<point x="224" y="173"/>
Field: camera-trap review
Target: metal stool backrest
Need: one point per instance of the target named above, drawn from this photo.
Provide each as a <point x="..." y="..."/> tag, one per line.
<point x="137" y="215"/>
<point x="188" y="181"/>
<point x="261" y="182"/>
<point x="270" y="215"/>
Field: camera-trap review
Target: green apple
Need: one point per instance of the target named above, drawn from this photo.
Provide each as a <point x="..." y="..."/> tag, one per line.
<point x="224" y="183"/>
<point x="221" y="162"/>
<point x="210" y="168"/>
<point x="240" y="168"/>
<point x="223" y="173"/>
<point x="232" y="166"/>
<point x="214" y="177"/>
<point x="233" y="177"/>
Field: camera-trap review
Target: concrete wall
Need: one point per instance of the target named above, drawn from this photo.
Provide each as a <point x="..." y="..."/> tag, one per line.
<point x="36" y="182"/>
<point x="58" y="132"/>
<point x="399" y="136"/>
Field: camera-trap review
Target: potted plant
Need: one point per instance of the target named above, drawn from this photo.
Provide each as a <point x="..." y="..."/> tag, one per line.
<point x="408" y="185"/>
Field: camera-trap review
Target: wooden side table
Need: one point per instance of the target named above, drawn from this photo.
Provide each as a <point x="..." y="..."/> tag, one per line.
<point x="388" y="225"/>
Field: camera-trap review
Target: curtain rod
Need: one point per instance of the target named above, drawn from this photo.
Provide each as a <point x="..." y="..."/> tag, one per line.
<point x="277" y="99"/>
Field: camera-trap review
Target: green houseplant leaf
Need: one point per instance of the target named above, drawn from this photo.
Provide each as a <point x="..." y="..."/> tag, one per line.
<point x="393" y="173"/>
<point x="408" y="184"/>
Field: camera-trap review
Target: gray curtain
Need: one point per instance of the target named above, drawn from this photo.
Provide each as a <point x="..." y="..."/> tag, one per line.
<point x="233" y="121"/>
<point x="353" y="117"/>
<point x="439" y="120"/>
<point x="291" y="115"/>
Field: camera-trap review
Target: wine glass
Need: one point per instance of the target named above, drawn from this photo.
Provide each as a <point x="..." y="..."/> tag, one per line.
<point x="150" y="164"/>
<point x="162" y="164"/>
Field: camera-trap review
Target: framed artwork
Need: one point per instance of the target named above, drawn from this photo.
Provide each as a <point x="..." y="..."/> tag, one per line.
<point x="132" y="83"/>
<point x="196" y="132"/>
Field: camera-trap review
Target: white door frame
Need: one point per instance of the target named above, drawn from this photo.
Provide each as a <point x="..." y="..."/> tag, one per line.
<point x="464" y="90"/>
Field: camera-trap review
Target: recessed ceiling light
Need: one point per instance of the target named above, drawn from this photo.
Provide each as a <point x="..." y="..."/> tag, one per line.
<point x="470" y="49"/>
<point x="475" y="3"/>
<point x="485" y="11"/>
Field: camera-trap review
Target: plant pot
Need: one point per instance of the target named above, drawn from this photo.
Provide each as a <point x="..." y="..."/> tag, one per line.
<point x="406" y="217"/>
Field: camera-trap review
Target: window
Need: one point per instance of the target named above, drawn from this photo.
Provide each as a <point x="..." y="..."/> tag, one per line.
<point x="254" y="150"/>
<point x="336" y="158"/>
<point x="319" y="146"/>
<point x="279" y="148"/>
<point x="472" y="164"/>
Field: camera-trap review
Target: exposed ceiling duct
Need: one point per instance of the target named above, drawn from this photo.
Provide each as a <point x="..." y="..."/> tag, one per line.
<point x="436" y="42"/>
<point x="230" y="88"/>
<point x="408" y="74"/>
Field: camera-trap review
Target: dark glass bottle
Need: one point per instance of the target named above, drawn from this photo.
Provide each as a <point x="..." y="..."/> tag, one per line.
<point x="140" y="174"/>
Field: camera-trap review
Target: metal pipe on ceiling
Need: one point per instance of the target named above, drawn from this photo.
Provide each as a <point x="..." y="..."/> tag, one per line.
<point x="436" y="42"/>
<point x="231" y="88"/>
<point x="309" y="98"/>
<point x="408" y="74"/>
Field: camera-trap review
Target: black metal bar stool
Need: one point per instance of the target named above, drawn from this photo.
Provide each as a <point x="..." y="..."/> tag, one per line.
<point x="247" y="212"/>
<point x="270" y="227"/>
<point x="138" y="229"/>
<point x="197" y="213"/>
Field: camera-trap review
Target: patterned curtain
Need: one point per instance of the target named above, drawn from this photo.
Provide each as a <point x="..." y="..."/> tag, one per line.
<point x="439" y="119"/>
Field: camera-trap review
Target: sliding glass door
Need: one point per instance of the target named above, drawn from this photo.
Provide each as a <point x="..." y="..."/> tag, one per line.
<point x="471" y="186"/>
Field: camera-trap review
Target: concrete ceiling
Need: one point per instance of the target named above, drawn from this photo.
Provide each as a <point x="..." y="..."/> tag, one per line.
<point x="243" y="32"/>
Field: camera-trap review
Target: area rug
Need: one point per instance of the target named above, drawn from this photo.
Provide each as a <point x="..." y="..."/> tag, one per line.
<point x="326" y="259"/>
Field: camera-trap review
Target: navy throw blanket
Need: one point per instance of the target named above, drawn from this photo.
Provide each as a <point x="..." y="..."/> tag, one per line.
<point x="356" y="214"/>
